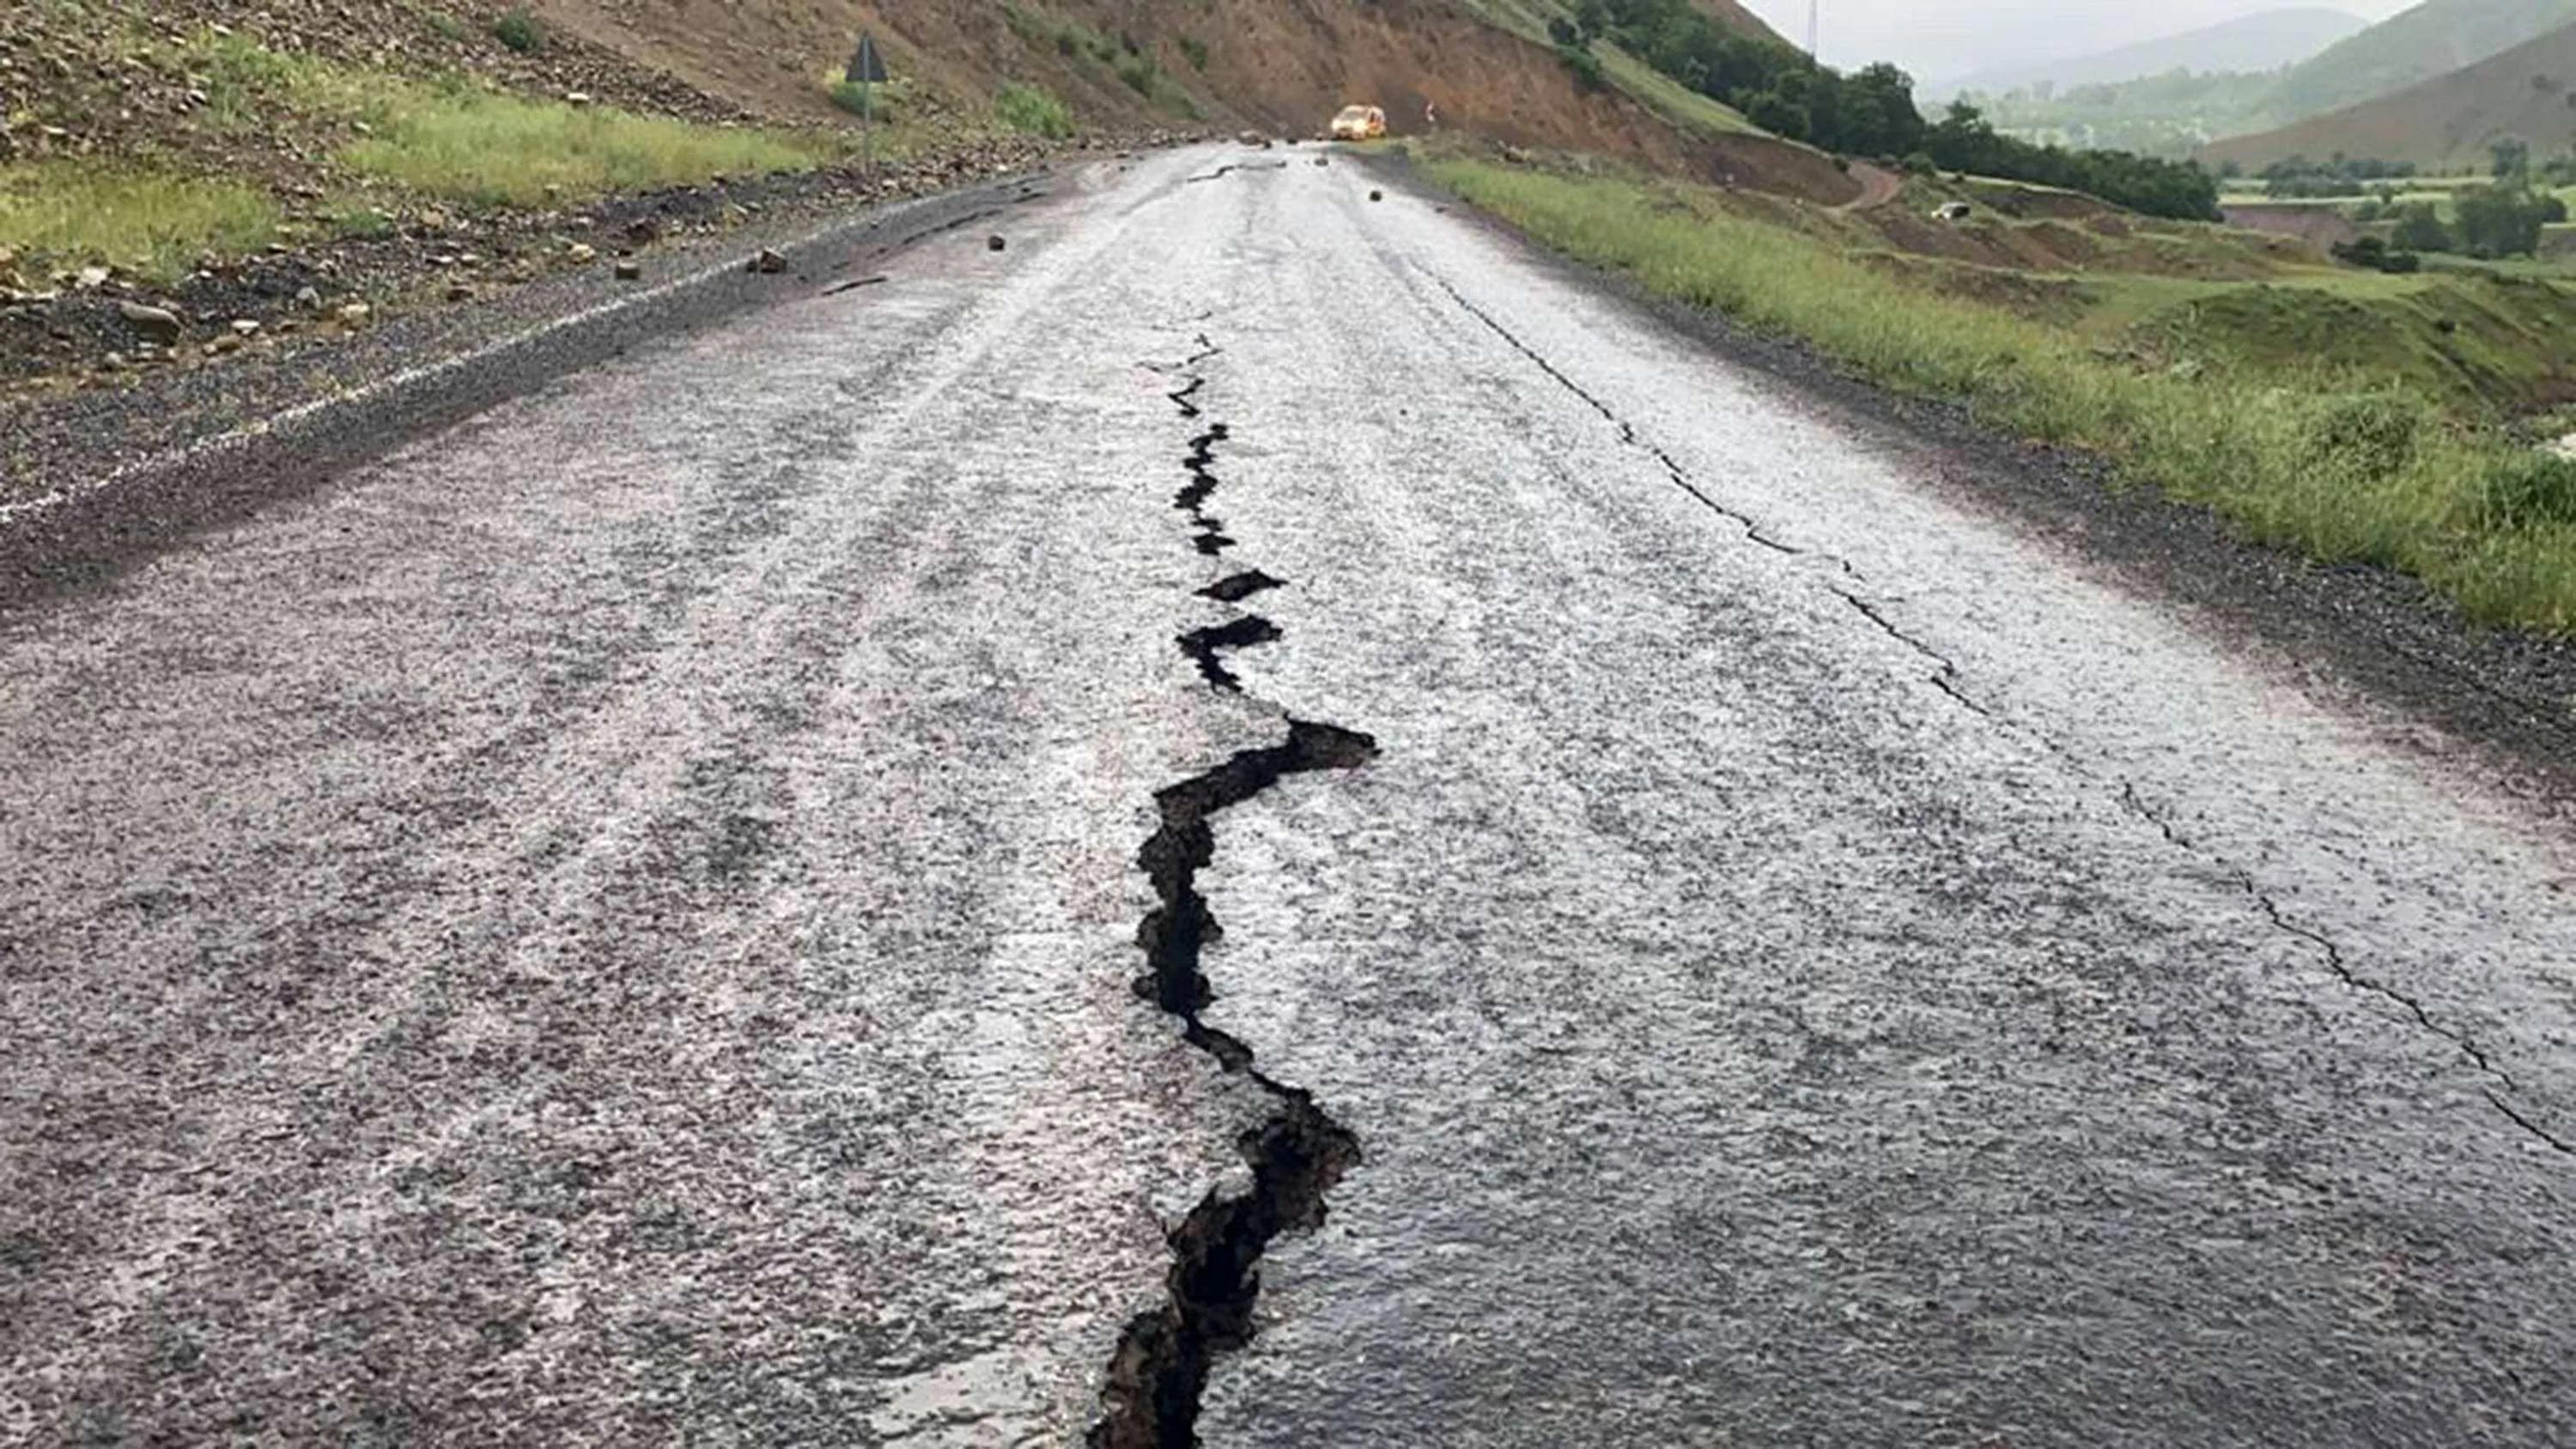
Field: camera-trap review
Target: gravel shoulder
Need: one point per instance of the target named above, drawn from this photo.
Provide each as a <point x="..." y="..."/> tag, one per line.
<point x="2348" y="626"/>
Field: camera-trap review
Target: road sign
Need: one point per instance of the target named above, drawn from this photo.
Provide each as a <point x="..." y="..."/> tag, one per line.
<point x="867" y="67"/>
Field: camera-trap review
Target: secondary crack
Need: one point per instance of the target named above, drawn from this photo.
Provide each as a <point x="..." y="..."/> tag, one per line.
<point x="1627" y="431"/>
<point x="1240" y="166"/>
<point x="2332" y="952"/>
<point x="1945" y="673"/>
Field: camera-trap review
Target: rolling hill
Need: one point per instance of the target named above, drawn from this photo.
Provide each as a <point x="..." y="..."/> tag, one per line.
<point x="2431" y="40"/>
<point x="2528" y="92"/>
<point x="2264" y="42"/>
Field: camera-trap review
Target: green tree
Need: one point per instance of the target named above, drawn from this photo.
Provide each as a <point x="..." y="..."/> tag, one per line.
<point x="2420" y="229"/>
<point x="2512" y="158"/>
<point x="2499" y="221"/>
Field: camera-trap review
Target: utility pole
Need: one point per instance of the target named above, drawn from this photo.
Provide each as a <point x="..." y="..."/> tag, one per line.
<point x="1812" y="7"/>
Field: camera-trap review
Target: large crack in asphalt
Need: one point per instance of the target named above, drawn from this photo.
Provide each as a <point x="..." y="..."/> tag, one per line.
<point x="1946" y="677"/>
<point x="1159" y="1371"/>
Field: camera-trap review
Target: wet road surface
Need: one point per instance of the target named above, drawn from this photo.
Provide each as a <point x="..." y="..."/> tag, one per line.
<point x="621" y="922"/>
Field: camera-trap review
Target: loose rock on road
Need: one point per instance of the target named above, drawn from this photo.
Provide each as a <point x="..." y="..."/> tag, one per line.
<point x="772" y="892"/>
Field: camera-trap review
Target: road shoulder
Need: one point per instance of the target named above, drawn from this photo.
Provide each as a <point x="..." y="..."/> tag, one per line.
<point x="2349" y="627"/>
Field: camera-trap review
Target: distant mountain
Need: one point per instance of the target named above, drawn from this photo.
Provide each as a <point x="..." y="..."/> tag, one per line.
<point x="2433" y="39"/>
<point x="2528" y="93"/>
<point x="2255" y="43"/>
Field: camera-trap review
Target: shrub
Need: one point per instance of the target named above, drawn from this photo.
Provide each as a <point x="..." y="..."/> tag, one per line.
<point x="2420" y="229"/>
<point x="1140" y="74"/>
<point x="520" y="31"/>
<point x="447" y="27"/>
<point x="1585" y="65"/>
<point x="2368" y="438"/>
<point x="1033" y="110"/>
<point x="1196" y="50"/>
<point x="860" y="98"/>
<point x="2529" y="488"/>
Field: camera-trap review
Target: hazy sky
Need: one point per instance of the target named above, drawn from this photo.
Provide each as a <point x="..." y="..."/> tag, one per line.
<point x="1942" y="38"/>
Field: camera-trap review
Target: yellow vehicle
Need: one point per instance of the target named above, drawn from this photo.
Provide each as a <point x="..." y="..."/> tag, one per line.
<point x="1359" y="123"/>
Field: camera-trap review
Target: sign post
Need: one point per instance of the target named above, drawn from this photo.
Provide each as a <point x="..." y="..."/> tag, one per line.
<point x="867" y="72"/>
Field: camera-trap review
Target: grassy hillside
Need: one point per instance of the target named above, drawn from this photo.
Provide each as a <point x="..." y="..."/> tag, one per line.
<point x="2433" y="39"/>
<point x="2528" y="92"/>
<point x="2352" y="415"/>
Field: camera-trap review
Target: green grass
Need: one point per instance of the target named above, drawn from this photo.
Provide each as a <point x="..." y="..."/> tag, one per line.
<point x="1669" y="98"/>
<point x="1033" y="110"/>
<point x="864" y="99"/>
<point x="151" y="221"/>
<point x="489" y="149"/>
<point x="2316" y="455"/>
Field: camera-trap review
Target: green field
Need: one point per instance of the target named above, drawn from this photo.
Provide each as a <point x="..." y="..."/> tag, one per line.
<point x="2352" y="415"/>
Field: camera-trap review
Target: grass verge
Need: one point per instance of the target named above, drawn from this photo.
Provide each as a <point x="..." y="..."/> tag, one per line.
<point x="2318" y="459"/>
<point x="152" y="221"/>
<point x="487" y="148"/>
<point x="394" y="138"/>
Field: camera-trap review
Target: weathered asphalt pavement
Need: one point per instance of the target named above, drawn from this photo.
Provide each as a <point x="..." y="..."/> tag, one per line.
<point x="615" y="925"/>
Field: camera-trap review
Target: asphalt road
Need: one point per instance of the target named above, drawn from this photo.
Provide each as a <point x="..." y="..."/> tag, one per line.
<point x="620" y="923"/>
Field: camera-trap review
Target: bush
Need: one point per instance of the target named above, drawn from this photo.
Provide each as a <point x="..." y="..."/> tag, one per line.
<point x="1196" y="50"/>
<point x="1140" y="73"/>
<point x="2368" y="438"/>
<point x="2375" y="254"/>
<point x="2529" y="488"/>
<point x="1033" y="110"/>
<point x="861" y="98"/>
<point x="2420" y="229"/>
<point x="520" y="31"/>
<point x="446" y="27"/>
<point x="1585" y="65"/>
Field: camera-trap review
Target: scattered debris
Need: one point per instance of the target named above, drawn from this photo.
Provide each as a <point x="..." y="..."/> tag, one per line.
<point x="765" y="263"/>
<point x="994" y="243"/>
<point x="838" y="288"/>
<point x="1376" y="195"/>
<point x="354" y="314"/>
<point x="630" y="271"/>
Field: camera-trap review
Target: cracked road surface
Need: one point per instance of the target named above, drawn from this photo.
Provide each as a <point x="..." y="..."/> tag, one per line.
<point x="768" y="894"/>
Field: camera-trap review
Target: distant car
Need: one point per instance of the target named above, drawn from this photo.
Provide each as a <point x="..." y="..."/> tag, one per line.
<point x="1951" y="211"/>
<point x="1359" y="123"/>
